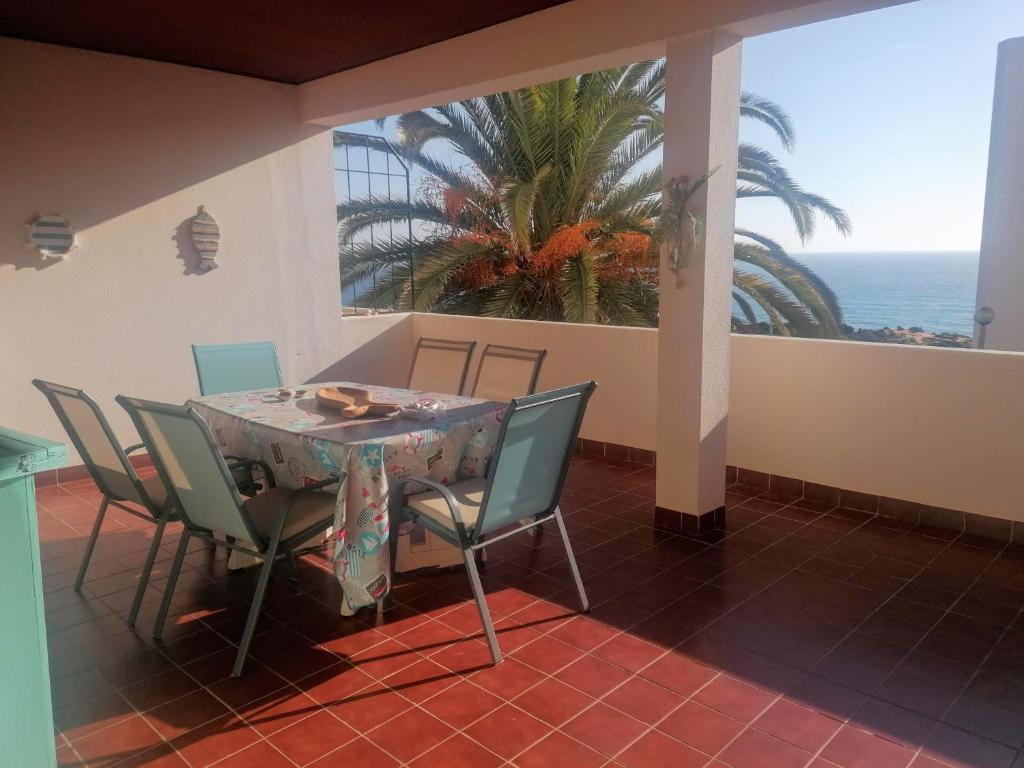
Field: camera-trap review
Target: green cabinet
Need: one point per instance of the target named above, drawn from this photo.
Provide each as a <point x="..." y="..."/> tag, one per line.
<point x="26" y="717"/>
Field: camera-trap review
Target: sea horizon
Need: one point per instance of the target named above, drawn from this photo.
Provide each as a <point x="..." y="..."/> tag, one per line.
<point x="933" y="290"/>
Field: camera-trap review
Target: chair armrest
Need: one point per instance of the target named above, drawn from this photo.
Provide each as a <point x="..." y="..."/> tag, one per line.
<point x="446" y="494"/>
<point x="134" y="447"/>
<point x="234" y="462"/>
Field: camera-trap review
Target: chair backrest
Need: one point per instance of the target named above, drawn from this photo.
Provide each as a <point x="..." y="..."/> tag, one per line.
<point x="236" y="367"/>
<point x="95" y="442"/>
<point x="191" y="467"/>
<point x="532" y="455"/>
<point x="440" y="365"/>
<point x="507" y="372"/>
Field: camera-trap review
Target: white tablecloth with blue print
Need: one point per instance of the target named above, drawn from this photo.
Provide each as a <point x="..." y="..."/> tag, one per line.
<point x="304" y="444"/>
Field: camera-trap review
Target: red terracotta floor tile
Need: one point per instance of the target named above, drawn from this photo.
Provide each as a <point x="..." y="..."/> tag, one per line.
<point x="184" y="714"/>
<point x="678" y="673"/>
<point x="421" y="680"/>
<point x="410" y="734"/>
<point x="853" y="748"/>
<point x="628" y="652"/>
<point x="584" y="633"/>
<point x="162" y="756"/>
<point x="431" y="651"/>
<point x="313" y="737"/>
<point x="656" y="750"/>
<point x="753" y="749"/>
<point x="701" y="727"/>
<point x="553" y="702"/>
<point x="82" y="719"/>
<point x="562" y="751"/>
<point x="278" y="710"/>
<point x="118" y="742"/>
<point x="508" y="731"/>
<point x="462" y="704"/>
<point x="604" y="729"/>
<point x="798" y="725"/>
<point x="965" y="750"/>
<point x="731" y="697"/>
<point x="370" y="707"/>
<point x="547" y="654"/>
<point x="508" y="679"/>
<point x="456" y="752"/>
<point x="214" y="741"/>
<point x="259" y="754"/>
<point x="358" y="753"/>
<point x="643" y="700"/>
<point x="592" y="676"/>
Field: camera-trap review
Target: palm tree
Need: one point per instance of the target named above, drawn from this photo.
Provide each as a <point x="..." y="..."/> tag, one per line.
<point x="554" y="215"/>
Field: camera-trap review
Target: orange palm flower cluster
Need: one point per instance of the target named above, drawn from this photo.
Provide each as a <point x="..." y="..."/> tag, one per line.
<point x="562" y="246"/>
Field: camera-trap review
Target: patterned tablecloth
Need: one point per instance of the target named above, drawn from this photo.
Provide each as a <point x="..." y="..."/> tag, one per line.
<point x="304" y="444"/>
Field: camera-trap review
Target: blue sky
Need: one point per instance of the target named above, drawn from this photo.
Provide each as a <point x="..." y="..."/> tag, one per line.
<point x="892" y="111"/>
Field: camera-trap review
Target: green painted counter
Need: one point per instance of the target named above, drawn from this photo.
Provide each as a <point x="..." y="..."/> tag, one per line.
<point x="26" y="716"/>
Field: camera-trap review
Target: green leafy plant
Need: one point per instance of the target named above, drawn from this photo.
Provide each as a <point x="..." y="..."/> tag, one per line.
<point x="554" y="211"/>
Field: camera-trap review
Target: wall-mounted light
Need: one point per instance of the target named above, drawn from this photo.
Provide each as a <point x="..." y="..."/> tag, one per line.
<point x="983" y="316"/>
<point x="51" y="235"/>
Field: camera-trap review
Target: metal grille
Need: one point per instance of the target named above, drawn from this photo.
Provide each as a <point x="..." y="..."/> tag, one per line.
<point x="369" y="167"/>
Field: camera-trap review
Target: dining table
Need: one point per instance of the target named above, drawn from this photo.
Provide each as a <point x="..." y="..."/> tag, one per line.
<point x="304" y="442"/>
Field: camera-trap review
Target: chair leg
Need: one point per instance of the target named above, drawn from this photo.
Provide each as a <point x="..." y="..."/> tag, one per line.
<point x="584" y="603"/>
<point x="172" y="580"/>
<point x="91" y="544"/>
<point x="147" y="569"/>
<point x="256" y="607"/>
<point x="481" y="605"/>
<point x="293" y="568"/>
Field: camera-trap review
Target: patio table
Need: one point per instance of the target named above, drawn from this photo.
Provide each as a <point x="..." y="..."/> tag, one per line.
<point x="304" y="444"/>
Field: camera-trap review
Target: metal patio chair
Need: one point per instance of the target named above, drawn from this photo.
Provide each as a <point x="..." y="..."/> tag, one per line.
<point x="523" y="482"/>
<point x="507" y="372"/>
<point x="113" y="473"/>
<point x="236" y="367"/>
<point x="224" y="368"/>
<point x="440" y="365"/>
<point x="199" y="481"/>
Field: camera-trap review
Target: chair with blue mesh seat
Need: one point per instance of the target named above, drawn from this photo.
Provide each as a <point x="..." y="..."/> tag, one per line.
<point x="233" y="368"/>
<point x="115" y="476"/>
<point x="236" y="367"/>
<point x="520" y="490"/>
<point x="198" y="480"/>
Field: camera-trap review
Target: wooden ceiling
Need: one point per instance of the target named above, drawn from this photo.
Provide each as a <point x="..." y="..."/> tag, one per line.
<point x="288" y="41"/>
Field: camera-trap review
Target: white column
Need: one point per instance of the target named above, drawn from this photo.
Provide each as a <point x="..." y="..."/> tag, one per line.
<point x="1001" y="269"/>
<point x="701" y="133"/>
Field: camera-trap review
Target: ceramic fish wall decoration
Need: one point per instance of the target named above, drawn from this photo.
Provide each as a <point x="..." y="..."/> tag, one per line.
<point x="51" y="235"/>
<point x="206" y="236"/>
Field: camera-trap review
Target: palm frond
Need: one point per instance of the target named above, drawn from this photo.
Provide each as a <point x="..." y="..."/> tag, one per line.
<point x="771" y="114"/>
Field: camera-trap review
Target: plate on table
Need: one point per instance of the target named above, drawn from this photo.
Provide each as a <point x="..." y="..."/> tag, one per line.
<point x="353" y="403"/>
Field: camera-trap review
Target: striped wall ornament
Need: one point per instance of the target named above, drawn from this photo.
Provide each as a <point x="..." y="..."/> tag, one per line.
<point x="51" y="235"/>
<point x="206" y="237"/>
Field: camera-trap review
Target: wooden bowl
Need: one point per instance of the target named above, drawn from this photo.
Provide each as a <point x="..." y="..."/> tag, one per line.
<point x="353" y="403"/>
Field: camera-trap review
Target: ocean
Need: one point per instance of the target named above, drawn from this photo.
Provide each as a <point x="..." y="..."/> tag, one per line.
<point x="934" y="290"/>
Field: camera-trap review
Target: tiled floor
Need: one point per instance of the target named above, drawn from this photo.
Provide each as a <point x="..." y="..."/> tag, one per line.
<point x="800" y="636"/>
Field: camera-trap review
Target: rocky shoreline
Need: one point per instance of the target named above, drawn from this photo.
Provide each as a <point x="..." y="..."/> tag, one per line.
<point x="914" y="335"/>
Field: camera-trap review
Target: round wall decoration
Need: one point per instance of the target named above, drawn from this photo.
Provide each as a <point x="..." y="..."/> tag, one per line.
<point x="51" y="235"/>
<point x="206" y="236"/>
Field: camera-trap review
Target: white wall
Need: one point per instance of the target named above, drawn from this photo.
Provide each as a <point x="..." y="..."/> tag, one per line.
<point x="936" y="426"/>
<point x="127" y="150"/>
<point x="1001" y="266"/>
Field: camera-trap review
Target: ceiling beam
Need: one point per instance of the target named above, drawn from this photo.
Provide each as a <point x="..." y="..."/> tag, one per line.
<point x="578" y="36"/>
